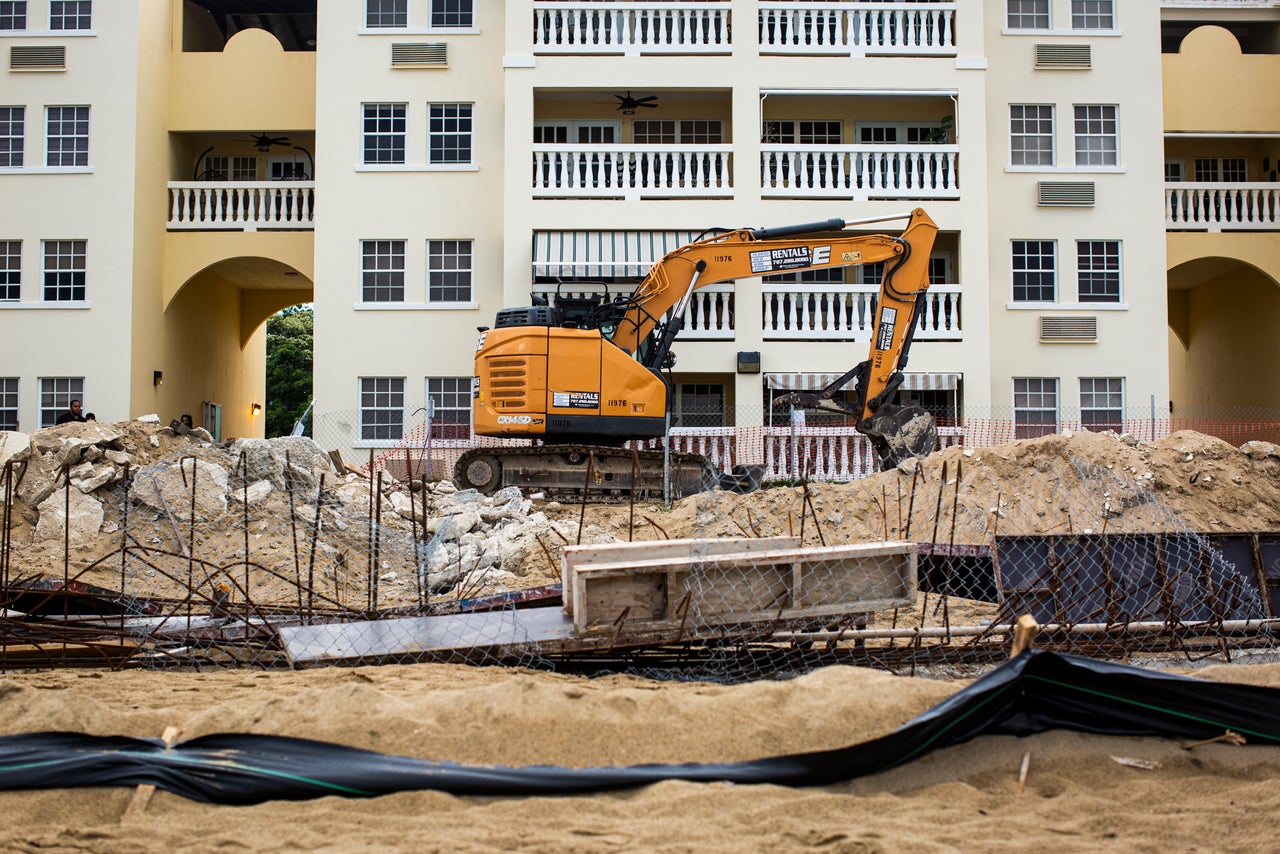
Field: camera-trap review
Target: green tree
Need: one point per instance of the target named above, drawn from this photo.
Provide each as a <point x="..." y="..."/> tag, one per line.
<point x="289" y="345"/>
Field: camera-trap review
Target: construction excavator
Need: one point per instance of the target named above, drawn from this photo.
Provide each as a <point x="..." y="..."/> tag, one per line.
<point x="584" y="374"/>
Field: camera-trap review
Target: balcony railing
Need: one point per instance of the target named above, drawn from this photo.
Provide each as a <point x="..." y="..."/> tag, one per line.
<point x="858" y="29"/>
<point x="860" y="171"/>
<point x="1222" y="207"/>
<point x="241" y="205"/>
<point x="632" y="171"/>
<point x="812" y="312"/>
<point x="630" y="28"/>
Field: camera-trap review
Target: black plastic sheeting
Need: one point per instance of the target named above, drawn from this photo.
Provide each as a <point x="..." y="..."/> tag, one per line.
<point x="1035" y="692"/>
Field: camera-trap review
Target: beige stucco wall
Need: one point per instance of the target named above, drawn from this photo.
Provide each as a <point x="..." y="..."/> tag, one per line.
<point x="1210" y="86"/>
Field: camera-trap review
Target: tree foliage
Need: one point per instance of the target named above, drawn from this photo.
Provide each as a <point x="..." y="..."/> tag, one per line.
<point x="289" y="348"/>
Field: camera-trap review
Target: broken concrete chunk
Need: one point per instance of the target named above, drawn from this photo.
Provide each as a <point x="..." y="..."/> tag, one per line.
<point x="94" y="478"/>
<point x="255" y="492"/>
<point x="86" y="518"/>
<point x="167" y="487"/>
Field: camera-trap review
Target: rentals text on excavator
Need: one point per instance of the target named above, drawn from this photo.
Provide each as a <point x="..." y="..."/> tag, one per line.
<point x="584" y="375"/>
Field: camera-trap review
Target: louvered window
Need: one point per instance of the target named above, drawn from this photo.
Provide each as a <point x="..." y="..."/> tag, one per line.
<point x="1068" y="329"/>
<point x="1053" y="194"/>
<point x="37" y="58"/>
<point x="1063" y="56"/>
<point x="425" y="53"/>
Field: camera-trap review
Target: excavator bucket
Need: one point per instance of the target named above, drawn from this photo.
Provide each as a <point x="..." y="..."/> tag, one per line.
<point x="899" y="433"/>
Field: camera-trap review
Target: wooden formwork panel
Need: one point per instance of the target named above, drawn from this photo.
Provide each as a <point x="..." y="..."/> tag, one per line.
<point x="740" y="587"/>
<point x="687" y="549"/>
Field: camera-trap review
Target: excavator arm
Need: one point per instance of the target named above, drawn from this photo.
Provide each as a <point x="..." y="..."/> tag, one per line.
<point x="656" y="309"/>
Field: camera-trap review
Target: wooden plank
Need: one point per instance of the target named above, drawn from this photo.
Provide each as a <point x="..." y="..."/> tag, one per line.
<point x="142" y="795"/>
<point x="574" y="556"/>
<point x="747" y="559"/>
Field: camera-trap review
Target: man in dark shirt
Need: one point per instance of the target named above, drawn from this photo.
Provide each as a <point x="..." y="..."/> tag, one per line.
<point x="72" y="414"/>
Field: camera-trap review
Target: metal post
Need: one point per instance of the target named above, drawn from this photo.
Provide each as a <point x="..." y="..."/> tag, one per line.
<point x="666" y="460"/>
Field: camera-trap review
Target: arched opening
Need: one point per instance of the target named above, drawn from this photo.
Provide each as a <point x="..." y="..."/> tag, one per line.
<point x="1223" y="313"/>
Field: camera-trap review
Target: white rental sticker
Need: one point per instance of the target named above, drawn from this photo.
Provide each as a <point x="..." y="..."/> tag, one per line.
<point x="884" y="333"/>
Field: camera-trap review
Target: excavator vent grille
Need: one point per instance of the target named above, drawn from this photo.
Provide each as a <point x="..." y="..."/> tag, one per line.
<point x="434" y="54"/>
<point x="37" y="58"/>
<point x="1068" y="329"/>
<point x="1065" y="194"/>
<point x="1064" y="56"/>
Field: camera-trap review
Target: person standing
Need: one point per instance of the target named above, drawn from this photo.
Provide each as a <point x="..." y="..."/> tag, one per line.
<point x="73" y="413"/>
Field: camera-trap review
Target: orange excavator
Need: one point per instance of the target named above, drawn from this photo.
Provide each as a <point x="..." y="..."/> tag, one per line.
<point x="584" y="375"/>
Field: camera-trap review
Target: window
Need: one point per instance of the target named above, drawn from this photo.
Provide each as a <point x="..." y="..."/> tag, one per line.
<point x="220" y="167"/>
<point x="1215" y="169"/>
<point x="452" y="13"/>
<point x="1093" y="15"/>
<point x="56" y="394"/>
<point x="381" y="408"/>
<point x="13" y="129"/>
<point x="1102" y="403"/>
<point x="802" y="133"/>
<point x="1031" y="134"/>
<point x="13" y="15"/>
<point x="386" y="13"/>
<point x="66" y="136"/>
<point x="382" y="271"/>
<point x="8" y="403"/>
<point x="449" y="133"/>
<point x="682" y="132"/>
<point x="821" y="276"/>
<point x="872" y="274"/>
<point x="1175" y="169"/>
<point x="1034" y="271"/>
<point x="384" y="130"/>
<point x="699" y="405"/>
<point x="10" y="269"/>
<point x="452" y="399"/>
<point x="64" y="270"/>
<point x="448" y="271"/>
<point x="1027" y="14"/>
<point x="1098" y="270"/>
<point x="1035" y="407"/>
<point x="1097" y="137"/>
<point x="71" y="14"/>
<point x="211" y="419"/>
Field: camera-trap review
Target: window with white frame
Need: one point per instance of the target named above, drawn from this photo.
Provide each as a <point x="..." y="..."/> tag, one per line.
<point x="13" y="131"/>
<point x="699" y="405"/>
<point x="821" y="276"/>
<point x="1027" y="14"/>
<point x="1098" y="270"/>
<point x="10" y="269"/>
<point x="220" y="167"/>
<point x="453" y="13"/>
<point x="802" y="132"/>
<point x="449" y="270"/>
<point x="1035" y="407"/>
<point x="1216" y="169"/>
<point x="678" y="131"/>
<point x="1031" y="134"/>
<point x="1035" y="275"/>
<point x="8" y="403"/>
<point x="939" y="271"/>
<point x="71" y="14"/>
<point x="64" y="270"/>
<point x="384" y="133"/>
<point x="66" y="136"/>
<point x="1097" y="135"/>
<point x="451" y="399"/>
<point x="13" y="15"/>
<point x="1175" y="169"/>
<point x="56" y="394"/>
<point x="381" y="409"/>
<point x="893" y="133"/>
<point x="449" y="133"/>
<point x="1093" y="14"/>
<point x="382" y="270"/>
<point x="380" y="14"/>
<point x="1102" y="403"/>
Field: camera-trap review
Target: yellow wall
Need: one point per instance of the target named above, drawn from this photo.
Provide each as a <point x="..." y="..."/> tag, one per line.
<point x="1210" y="86"/>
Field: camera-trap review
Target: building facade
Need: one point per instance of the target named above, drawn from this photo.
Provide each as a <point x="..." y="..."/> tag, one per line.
<point x="175" y="171"/>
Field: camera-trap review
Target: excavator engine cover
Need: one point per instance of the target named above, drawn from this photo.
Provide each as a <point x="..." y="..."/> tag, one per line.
<point x="899" y="433"/>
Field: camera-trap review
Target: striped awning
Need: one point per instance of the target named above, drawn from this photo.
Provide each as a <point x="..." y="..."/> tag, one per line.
<point x="602" y="254"/>
<point x="817" y="382"/>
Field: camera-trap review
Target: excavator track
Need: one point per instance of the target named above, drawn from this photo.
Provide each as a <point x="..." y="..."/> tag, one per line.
<point x="561" y="472"/>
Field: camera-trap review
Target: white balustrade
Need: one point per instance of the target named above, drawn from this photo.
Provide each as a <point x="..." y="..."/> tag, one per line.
<point x="814" y="312"/>
<point x="860" y="171"/>
<point x="1222" y="207"/>
<point x="827" y="453"/>
<point x="631" y="28"/>
<point x="241" y="205"/>
<point x="632" y="171"/>
<point x="858" y="28"/>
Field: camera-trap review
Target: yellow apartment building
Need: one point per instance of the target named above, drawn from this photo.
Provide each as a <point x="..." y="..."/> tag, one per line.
<point x="173" y="172"/>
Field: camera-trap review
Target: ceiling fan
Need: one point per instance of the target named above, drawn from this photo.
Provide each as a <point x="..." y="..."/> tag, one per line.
<point x="628" y="104"/>
<point x="263" y="142"/>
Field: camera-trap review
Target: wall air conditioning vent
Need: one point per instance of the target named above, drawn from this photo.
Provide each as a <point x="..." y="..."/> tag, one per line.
<point x="419" y="55"/>
<point x="41" y="58"/>
<point x="1068" y="329"/>
<point x="1064" y="56"/>
<point x="1070" y="194"/>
